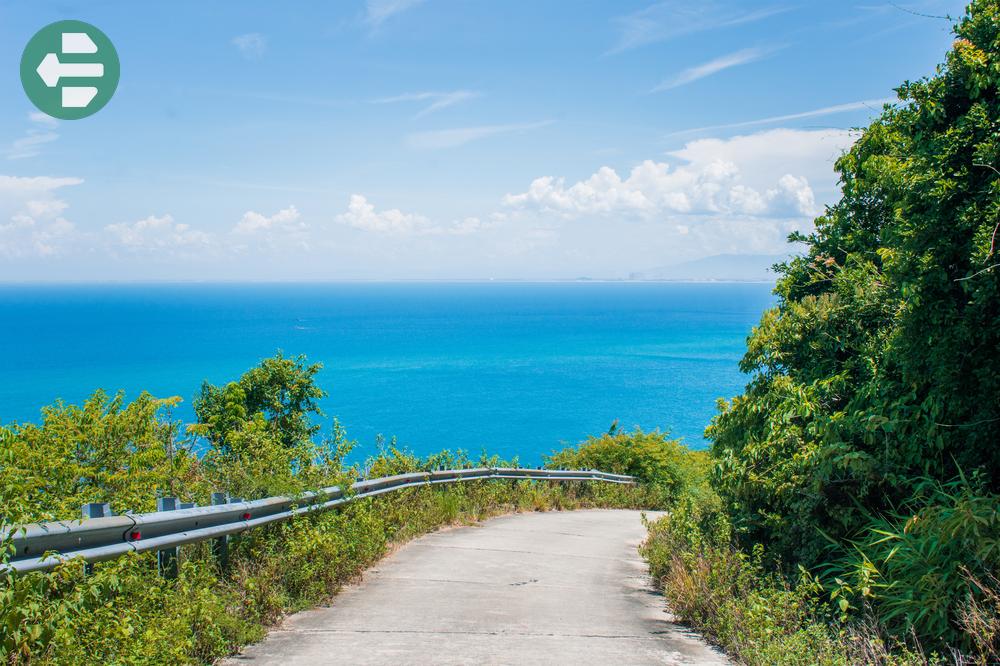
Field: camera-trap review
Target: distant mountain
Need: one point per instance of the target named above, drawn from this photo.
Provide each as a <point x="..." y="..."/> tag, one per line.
<point x="720" y="267"/>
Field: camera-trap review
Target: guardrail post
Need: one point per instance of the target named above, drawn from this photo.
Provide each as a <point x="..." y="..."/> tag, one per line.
<point x="166" y="559"/>
<point x="94" y="510"/>
<point x="220" y="545"/>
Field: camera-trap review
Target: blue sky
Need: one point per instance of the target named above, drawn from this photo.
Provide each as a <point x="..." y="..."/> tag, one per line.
<point x="444" y="139"/>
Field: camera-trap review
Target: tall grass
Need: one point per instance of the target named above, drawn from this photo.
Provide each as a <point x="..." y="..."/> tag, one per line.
<point x="918" y="589"/>
<point x="923" y="570"/>
<point x="756" y="614"/>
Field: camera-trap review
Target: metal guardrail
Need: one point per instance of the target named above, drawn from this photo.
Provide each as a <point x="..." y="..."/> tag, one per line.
<point x="42" y="546"/>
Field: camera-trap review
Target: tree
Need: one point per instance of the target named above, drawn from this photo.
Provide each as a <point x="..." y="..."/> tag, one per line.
<point x="282" y="390"/>
<point x="878" y="369"/>
<point x="103" y="451"/>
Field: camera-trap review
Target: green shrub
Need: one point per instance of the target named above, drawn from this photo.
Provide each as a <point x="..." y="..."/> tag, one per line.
<point x="737" y="600"/>
<point x="669" y="469"/>
<point x="919" y="571"/>
<point x="104" y="451"/>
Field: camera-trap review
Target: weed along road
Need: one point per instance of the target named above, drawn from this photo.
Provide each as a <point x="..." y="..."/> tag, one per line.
<point x="538" y="588"/>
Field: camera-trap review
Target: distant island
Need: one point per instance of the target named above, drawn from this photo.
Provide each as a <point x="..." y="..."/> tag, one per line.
<point x="718" y="268"/>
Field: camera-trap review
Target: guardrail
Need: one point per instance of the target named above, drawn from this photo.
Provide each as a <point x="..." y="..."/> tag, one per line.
<point x="101" y="536"/>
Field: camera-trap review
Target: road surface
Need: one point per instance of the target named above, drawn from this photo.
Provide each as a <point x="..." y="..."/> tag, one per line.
<point x="562" y="587"/>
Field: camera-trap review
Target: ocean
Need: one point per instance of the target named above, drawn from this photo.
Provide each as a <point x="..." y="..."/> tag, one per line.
<point x="518" y="369"/>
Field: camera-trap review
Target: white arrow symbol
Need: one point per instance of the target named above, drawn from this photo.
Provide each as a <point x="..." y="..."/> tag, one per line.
<point x="74" y="97"/>
<point x="78" y="42"/>
<point x="51" y="70"/>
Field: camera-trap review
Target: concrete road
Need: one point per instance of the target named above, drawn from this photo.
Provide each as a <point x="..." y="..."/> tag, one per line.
<point x="536" y="588"/>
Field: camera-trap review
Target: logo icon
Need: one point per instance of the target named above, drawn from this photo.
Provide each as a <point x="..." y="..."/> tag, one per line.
<point x="70" y="70"/>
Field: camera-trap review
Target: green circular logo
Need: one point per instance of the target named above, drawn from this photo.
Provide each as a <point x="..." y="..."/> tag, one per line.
<point x="70" y="70"/>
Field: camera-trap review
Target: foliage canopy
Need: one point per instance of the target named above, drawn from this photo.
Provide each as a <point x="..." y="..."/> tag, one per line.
<point x="865" y="441"/>
<point x="878" y="369"/>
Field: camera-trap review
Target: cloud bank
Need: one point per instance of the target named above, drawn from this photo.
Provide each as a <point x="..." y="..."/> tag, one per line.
<point x="710" y="196"/>
<point x="762" y="175"/>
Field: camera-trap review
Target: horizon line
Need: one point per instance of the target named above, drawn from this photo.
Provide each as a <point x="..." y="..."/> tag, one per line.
<point x="165" y="282"/>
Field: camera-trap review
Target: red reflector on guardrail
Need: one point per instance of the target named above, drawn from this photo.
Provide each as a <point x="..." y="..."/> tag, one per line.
<point x="246" y="516"/>
<point x="135" y="536"/>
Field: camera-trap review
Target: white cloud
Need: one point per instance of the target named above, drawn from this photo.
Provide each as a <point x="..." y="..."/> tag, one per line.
<point x="464" y="227"/>
<point x="251" y="45"/>
<point x="438" y="100"/>
<point x="761" y="175"/>
<point x="451" y="138"/>
<point x="469" y="225"/>
<point x="43" y="119"/>
<point x="25" y="236"/>
<point x="35" y="226"/>
<point x="254" y="222"/>
<point x="30" y="144"/>
<point x="155" y="234"/>
<point x="378" y="11"/>
<point x="792" y="197"/>
<point x="765" y="156"/>
<point x="36" y="230"/>
<point x="874" y="105"/>
<point x="45" y="208"/>
<point x="672" y="18"/>
<point x="602" y="193"/>
<point x="362" y="215"/>
<point x="34" y="184"/>
<point x="736" y="235"/>
<point x="283" y="230"/>
<point x="52" y="238"/>
<point x="722" y="63"/>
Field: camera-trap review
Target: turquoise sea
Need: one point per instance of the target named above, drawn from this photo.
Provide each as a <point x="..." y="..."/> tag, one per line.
<point x="515" y="368"/>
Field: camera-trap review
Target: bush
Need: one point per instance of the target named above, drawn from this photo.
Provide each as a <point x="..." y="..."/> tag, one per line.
<point x="748" y="608"/>
<point x="669" y="469"/>
<point x="104" y="451"/>
<point x="920" y="572"/>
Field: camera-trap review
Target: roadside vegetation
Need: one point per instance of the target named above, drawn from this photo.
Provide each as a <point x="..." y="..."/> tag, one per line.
<point x="856" y="516"/>
<point x="255" y="437"/>
<point x="666" y="469"/>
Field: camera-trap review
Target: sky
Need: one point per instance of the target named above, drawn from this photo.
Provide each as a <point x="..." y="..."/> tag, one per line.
<point x="444" y="139"/>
